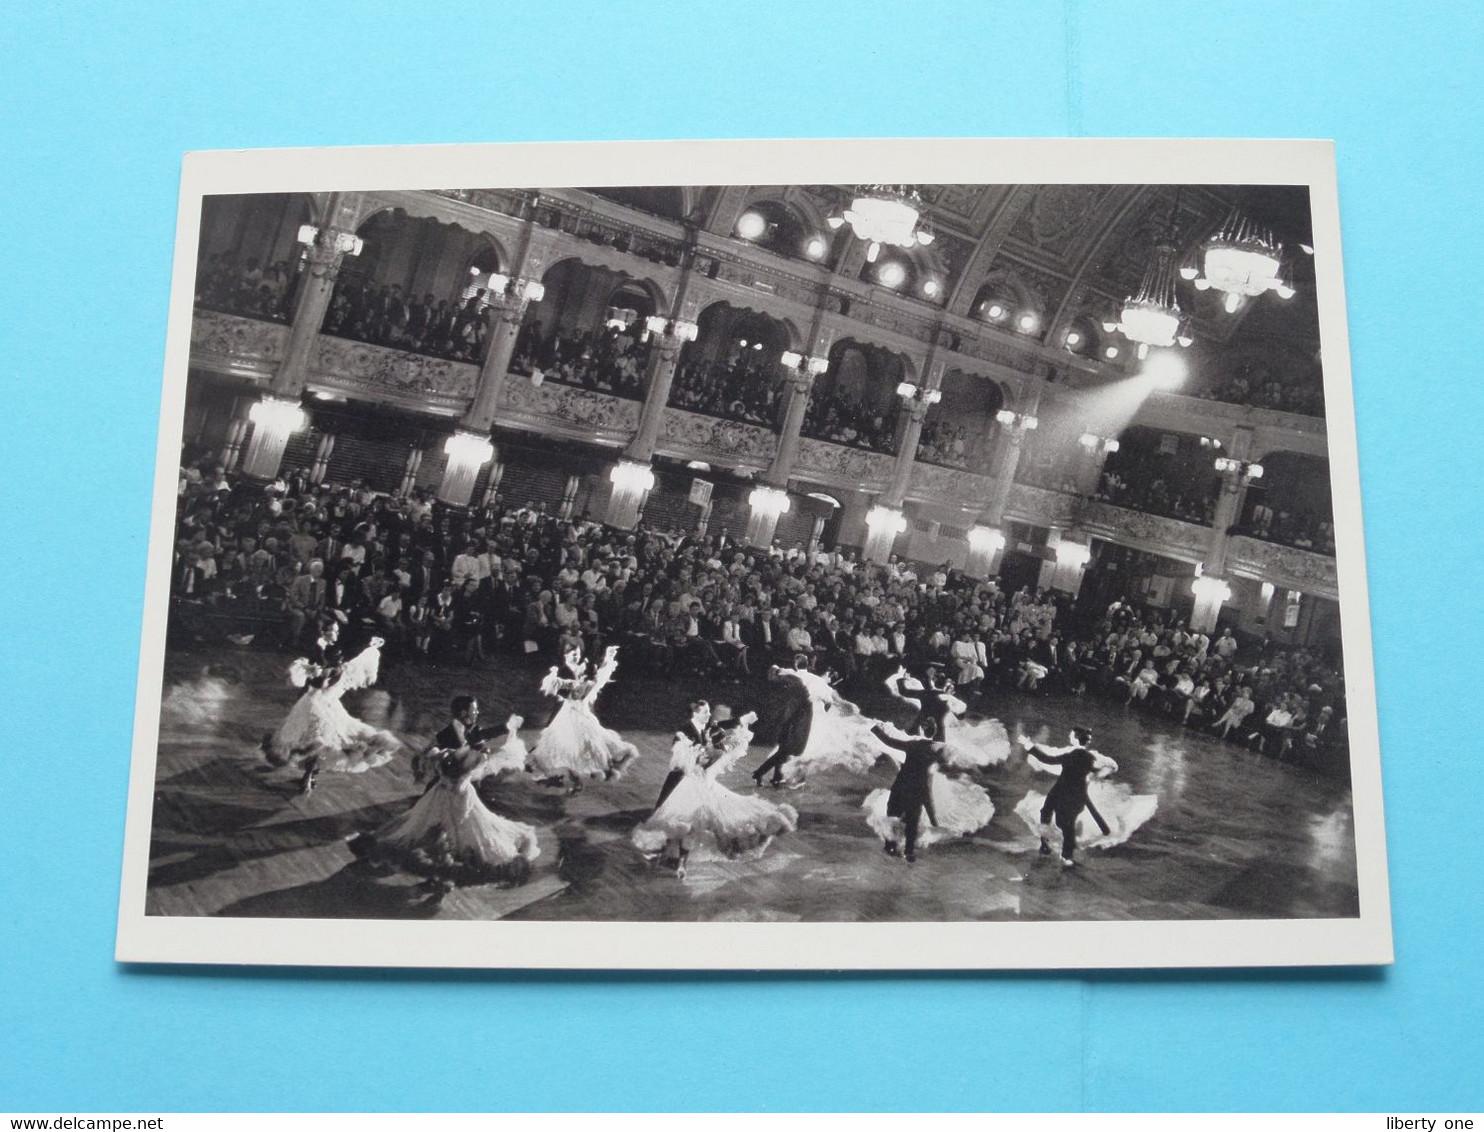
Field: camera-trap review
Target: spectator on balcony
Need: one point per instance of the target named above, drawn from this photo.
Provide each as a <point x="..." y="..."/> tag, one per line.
<point x="837" y="417"/>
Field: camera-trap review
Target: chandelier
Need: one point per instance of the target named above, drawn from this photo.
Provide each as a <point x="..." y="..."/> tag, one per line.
<point x="885" y="214"/>
<point x="1152" y="317"/>
<point x="1243" y="260"/>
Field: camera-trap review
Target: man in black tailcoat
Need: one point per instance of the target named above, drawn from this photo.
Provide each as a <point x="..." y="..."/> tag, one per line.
<point x="462" y="730"/>
<point x="911" y="794"/>
<point x="1068" y="798"/>
<point x="795" y="715"/>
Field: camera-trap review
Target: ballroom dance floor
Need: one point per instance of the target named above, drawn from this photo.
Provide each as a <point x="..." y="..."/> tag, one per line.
<point x="1236" y="835"/>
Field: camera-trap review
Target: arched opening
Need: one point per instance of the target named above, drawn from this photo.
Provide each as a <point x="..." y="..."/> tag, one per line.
<point x="630" y="305"/>
<point x="1003" y="301"/>
<point x="418" y="285"/>
<point x="1083" y="337"/>
<point x="855" y="401"/>
<point x="958" y="431"/>
<point x="1291" y="503"/>
<point x="249" y="257"/>
<point x="1161" y="473"/>
<point x="732" y="368"/>
<point x="588" y="331"/>
<point x="780" y="229"/>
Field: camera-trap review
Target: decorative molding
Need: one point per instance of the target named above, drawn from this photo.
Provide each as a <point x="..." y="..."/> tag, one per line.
<point x="839" y="466"/>
<point x="507" y="202"/>
<point x="229" y="343"/>
<point x="1041" y="507"/>
<point x="699" y="437"/>
<point x="1283" y="566"/>
<point x="934" y="483"/>
<point x="563" y="409"/>
<point x="1170" y="537"/>
<point x="340" y="361"/>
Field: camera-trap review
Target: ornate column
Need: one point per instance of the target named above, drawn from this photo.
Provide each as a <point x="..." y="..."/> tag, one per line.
<point x="492" y="483"/>
<point x="322" y="454"/>
<point x="1210" y="585"/>
<point x="770" y="501"/>
<point x="508" y="299"/>
<point x="987" y="539"/>
<point x="632" y="477"/>
<point x="1073" y="552"/>
<point x="409" y="472"/>
<point x="277" y="415"/>
<point x="816" y="533"/>
<point x="236" y="434"/>
<point x="1095" y="451"/>
<point x="985" y="544"/>
<point x="886" y="519"/>
<point x="569" y="498"/>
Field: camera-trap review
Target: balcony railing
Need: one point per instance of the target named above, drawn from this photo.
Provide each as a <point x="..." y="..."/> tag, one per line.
<point x="581" y="414"/>
<point x="1285" y="566"/>
<point x="933" y="483"/>
<point x="697" y="436"/>
<point x="841" y="466"/>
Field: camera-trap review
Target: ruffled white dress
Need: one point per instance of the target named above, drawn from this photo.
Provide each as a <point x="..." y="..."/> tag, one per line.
<point x="574" y="742"/>
<point x="319" y="726"/>
<point x="1122" y="809"/>
<point x="196" y="703"/>
<point x="450" y="832"/>
<point x="959" y="806"/>
<point x="839" y="734"/>
<point x="708" y="819"/>
<point x="984" y="742"/>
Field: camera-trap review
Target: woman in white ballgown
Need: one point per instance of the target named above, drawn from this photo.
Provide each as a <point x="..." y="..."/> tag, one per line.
<point x="959" y="806"/>
<point x="449" y="834"/>
<point x="702" y="814"/>
<point x="966" y="745"/>
<point x="839" y="733"/>
<point x="319" y="733"/>
<point x="574" y="744"/>
<point x="1121" y="809"/>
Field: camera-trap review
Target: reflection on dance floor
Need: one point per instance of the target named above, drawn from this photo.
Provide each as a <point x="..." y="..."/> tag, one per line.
<point x="1235" y="834"/>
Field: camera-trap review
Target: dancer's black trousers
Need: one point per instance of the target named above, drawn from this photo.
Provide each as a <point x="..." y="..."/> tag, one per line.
<point x="775" y="764"/>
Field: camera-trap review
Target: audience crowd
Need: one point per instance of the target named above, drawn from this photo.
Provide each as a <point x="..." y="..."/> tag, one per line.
<point x="1263" y="390"/>
<point x="610" y="360"/>
<point x="1155" y="495"/>
<point x="1304" y="530"/>
<point x="455" y="327"/>
<point x="943" y="443"/>
<point x="743" y="387"/>
<point x="234" y="285"/>
<point x="273" y="566"/>
<point x="836" y="416"/>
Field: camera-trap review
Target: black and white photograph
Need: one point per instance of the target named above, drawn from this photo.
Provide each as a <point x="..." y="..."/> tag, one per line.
<point x="591" y="560"/>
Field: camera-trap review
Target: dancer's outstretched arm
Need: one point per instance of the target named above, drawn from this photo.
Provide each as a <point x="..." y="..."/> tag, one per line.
<point x="894" y="686"/>
<point x="1045" y="754"/>
<point x="881" y="733"/>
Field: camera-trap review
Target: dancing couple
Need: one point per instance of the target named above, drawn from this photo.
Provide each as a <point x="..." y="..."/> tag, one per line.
<point x="450" y="835"/>
<point x="1080" y="802"/>
<point x="319" y="733"/>
<point x="695" y="810"/>
<point x="818" y="729"/>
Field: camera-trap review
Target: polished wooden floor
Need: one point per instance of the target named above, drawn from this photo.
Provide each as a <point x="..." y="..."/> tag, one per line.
<point x="1236" y="834"/>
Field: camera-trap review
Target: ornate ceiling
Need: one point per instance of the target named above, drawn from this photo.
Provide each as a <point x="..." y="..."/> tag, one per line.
<point x="1064" y="250"/>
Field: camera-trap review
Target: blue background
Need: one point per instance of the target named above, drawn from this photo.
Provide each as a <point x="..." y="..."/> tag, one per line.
<point x="100" y="102"/>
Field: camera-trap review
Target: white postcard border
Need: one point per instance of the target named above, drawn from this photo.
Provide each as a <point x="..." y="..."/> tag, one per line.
<point x="1365" y="940"/>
